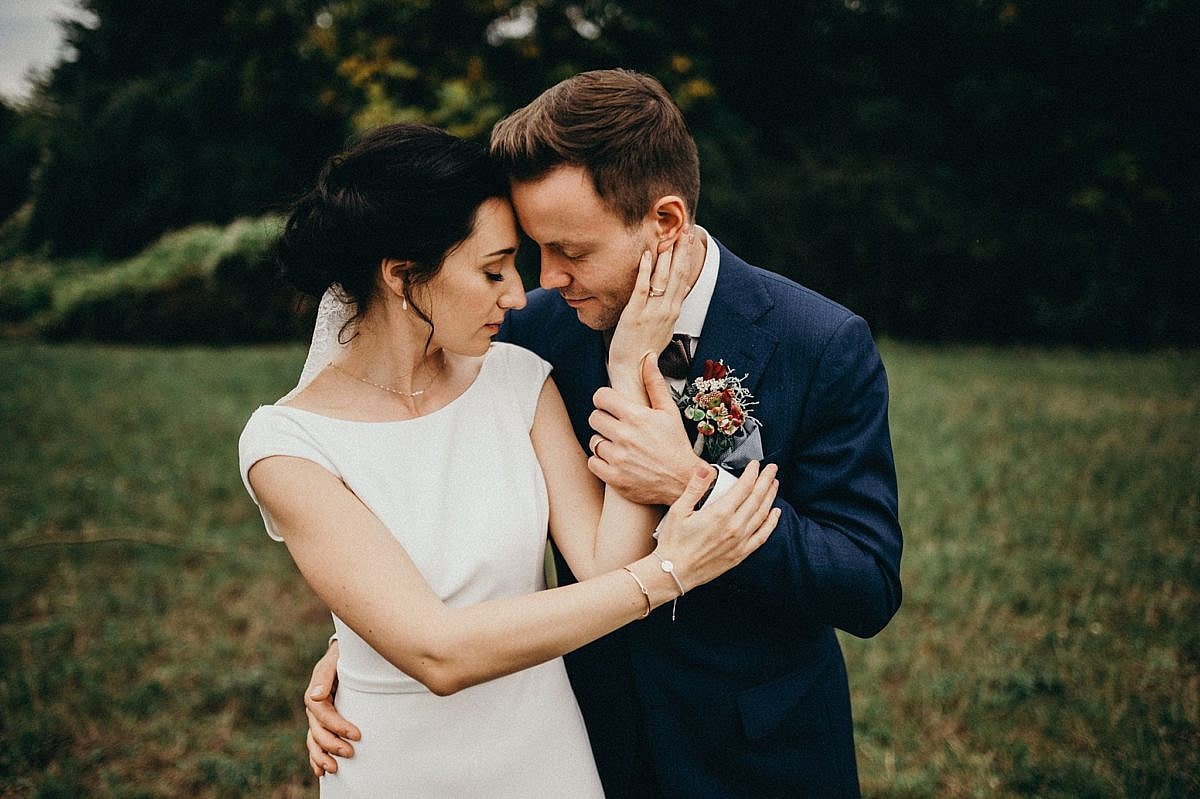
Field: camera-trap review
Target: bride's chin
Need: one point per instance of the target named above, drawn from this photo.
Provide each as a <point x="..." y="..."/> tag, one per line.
<point x="472" y="349"/>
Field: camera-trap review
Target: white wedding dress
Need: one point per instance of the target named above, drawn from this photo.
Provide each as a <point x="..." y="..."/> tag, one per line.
<point x="461" y="489"/>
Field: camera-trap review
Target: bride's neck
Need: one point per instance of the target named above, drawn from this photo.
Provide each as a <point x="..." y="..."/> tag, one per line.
<point x="392" y="351"/>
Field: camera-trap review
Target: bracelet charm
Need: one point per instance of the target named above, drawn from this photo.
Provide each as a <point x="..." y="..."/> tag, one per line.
<point x="668" y="566"/>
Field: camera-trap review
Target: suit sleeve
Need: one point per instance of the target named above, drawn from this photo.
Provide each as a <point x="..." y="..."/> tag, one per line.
<point x="835" y="556"/>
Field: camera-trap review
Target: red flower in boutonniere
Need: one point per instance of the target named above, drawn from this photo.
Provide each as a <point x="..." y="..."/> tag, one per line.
<point x="714" y="370"/>
<point x="718" y="404"/>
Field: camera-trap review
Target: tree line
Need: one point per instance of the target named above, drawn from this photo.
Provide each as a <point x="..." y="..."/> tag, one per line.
<point x="950" y="169"/>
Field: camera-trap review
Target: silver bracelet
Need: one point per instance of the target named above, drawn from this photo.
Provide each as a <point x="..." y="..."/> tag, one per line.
<point x="641" y="586"/>
<point x="669" y="568"/>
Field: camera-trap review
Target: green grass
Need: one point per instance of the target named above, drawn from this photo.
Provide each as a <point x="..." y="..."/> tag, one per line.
<point x="1048" y="643"/>
<point x="154" y="642"/>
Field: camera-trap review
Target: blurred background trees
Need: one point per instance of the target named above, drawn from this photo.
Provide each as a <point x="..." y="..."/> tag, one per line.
<point x="950" y="169"/>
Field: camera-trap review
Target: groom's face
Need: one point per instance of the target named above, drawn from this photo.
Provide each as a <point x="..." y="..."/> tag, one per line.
<point x="587" y="253"/>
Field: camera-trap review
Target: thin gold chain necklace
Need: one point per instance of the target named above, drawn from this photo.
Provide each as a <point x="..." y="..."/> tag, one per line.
<point x="409" y="394"/>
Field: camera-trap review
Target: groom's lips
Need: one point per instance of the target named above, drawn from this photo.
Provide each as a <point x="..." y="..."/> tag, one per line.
<point x="575" y="302"/>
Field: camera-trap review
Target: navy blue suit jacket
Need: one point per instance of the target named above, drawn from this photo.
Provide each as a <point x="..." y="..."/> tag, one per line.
<point x="745" y="694"/>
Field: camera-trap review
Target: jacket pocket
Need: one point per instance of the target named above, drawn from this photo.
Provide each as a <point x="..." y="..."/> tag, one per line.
<point x="764" y="707"/>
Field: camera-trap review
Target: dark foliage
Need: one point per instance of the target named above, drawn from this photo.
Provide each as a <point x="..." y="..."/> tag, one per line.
<point x="18" y="156"/>
<point x="175" y="113"/>
<point x="951" y="169"/>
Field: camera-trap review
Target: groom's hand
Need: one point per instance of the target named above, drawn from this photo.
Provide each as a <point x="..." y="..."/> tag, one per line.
<point x="328" y="732"/>
<point x="642" y="452"/>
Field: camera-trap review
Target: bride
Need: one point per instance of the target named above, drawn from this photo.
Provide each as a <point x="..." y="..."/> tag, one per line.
<point x="414" y="472"/>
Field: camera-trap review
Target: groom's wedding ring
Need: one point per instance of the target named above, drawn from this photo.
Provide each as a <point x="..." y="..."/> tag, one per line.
<point x="595" y="442"/>
<point x="657" y="292"/>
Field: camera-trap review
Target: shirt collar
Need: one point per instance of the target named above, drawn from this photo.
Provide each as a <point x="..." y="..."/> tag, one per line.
<point x="694" y="307"/>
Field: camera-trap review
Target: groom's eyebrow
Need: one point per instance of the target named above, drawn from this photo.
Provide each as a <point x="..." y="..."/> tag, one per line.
<point x="562" y="245"/>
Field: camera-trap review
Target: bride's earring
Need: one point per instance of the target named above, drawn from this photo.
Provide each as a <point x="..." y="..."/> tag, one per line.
<point x="403" y="304"/>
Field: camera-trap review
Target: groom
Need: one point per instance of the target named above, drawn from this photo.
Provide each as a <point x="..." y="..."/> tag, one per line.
<point x="742" y="691"/>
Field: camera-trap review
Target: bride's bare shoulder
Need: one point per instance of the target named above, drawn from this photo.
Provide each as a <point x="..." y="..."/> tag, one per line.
<point x="324" y="396"/>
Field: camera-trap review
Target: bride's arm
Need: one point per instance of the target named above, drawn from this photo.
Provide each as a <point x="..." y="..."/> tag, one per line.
<point x="365" y="576"/>
<point x="597" y="530"/>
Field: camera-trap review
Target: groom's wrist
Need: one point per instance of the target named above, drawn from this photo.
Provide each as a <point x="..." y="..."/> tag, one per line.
<point x="682" y="476"/>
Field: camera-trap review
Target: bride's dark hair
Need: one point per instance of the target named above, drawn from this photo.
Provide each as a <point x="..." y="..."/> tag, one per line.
<point x="405" y="191"/>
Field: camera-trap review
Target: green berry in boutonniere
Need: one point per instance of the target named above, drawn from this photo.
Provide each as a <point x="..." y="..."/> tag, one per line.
<point x="719" y="405"/>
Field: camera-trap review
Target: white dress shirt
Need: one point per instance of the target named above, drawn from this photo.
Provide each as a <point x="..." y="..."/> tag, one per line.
<point x="692" y="313"/>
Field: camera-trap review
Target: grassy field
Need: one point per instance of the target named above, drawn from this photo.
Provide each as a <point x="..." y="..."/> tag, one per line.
<point x="154" y="642"/>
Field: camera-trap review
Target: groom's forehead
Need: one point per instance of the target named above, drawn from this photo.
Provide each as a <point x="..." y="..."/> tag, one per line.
<point x="567" y="187"/>
<point x="560" y="218"/>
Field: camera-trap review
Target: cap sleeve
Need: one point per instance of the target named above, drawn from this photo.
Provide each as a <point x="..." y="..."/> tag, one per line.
<point x="271" y="432"/>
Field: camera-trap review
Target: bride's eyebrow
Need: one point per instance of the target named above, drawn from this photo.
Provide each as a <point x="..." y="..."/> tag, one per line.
<point x="505" y="251"/>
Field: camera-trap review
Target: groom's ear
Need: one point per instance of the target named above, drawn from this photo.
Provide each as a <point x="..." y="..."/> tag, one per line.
<point x="394" y="273"/>
<point x="670" y="217"/>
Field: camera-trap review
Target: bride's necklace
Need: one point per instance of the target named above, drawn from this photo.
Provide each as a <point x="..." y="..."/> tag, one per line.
<point x="409" y="394"/>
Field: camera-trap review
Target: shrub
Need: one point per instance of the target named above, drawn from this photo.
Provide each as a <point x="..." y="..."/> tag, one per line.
<point x="203" y="284"/>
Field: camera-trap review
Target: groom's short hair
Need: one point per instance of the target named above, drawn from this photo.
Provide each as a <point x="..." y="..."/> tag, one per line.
<point x="621" y="126"/>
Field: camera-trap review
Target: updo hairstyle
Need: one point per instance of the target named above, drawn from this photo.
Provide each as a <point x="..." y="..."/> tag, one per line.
<point x="405" y="191"/>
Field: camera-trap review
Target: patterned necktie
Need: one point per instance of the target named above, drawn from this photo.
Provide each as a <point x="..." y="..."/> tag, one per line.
<point x="676" y="359"/>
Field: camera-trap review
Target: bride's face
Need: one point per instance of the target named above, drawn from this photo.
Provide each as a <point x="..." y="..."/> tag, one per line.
<point x="477" y="285"/>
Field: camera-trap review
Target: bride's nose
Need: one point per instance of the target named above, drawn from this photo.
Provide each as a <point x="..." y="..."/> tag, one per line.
<point x="514" y="298"/>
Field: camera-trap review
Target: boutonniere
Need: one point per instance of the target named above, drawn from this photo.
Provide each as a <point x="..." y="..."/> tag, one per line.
<point x="720" y="406"/>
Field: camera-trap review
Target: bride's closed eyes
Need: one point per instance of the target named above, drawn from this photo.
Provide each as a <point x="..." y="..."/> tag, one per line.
<point x="498" y="270"/>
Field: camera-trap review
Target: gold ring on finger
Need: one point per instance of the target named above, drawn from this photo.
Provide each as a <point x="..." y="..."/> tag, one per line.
<point x="657" y="292"/>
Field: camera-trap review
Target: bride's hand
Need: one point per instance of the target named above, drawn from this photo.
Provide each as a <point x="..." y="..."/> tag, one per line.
<point x="648" y="320"/>
<point x="706" y="543"/>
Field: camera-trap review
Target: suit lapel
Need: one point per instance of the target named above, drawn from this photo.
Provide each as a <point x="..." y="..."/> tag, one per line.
<point x="579" y="370"/>
<point x="731" y="331"/>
